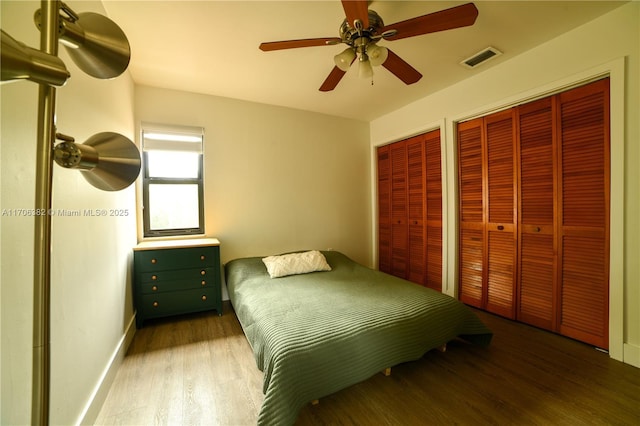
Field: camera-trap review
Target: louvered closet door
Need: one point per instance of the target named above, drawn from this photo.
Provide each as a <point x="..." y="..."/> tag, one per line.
<point x="434" y="210"/>
<point x="417" y="263"/>
<point x="538" y="271"/>
<point x="584" y="230"/>
<point x="384" y="209"/>
<point x="471" y="247"/>
<point x="410" y="209"/>
<point x="399" y="211"/>
<point x="534" y="234"/>
<point x="500" y="208"/>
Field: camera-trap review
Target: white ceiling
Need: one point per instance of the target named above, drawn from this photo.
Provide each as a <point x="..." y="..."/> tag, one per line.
<point x="211" y="47"/>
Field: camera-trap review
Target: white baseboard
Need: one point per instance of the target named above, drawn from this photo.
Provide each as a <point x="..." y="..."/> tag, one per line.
<point x="632" y="354"/>
<point x="99" y="395"/>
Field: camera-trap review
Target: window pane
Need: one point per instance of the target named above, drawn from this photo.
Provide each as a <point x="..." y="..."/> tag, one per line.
<point x="173" y="164"/>
<point x="173" y="206"/>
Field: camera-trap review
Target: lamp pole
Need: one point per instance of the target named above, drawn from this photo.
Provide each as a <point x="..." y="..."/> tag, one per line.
<point x="42" y="234"/>
<point x="118" y="168"/>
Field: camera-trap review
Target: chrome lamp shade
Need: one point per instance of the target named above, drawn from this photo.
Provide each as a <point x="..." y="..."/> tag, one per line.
<point x="107" y="160"/>
<point x="94" y="42"/>
<point x="20" y="62"/>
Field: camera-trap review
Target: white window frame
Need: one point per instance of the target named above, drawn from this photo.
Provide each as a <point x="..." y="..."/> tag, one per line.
<point x="179" y="139"/>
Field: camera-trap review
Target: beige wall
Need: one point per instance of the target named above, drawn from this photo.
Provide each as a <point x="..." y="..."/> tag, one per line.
<point x="91" y="305"/>
<point x="608" y="45"/>
<point x="276" y="179"/>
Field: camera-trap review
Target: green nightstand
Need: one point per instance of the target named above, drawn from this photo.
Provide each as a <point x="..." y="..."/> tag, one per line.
<point x="176" y="277"/>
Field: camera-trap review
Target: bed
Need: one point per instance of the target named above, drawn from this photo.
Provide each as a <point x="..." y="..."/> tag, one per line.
<point x="316" y="333"/>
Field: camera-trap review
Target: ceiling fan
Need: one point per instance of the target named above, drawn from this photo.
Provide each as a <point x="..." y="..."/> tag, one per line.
<point x="362" y="29"/>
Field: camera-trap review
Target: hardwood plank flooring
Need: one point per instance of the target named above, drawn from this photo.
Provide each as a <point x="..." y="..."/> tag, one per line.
<point x="199" y="370"/>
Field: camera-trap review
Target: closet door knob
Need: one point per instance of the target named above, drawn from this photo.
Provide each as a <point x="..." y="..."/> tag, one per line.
<point x="500" y="227"/>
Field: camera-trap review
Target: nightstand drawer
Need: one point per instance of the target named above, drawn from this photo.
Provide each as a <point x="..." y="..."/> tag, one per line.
<point x="160" y="260"/>
<point x="192" y="275"/>
<point x="179" y="283"/>
<point x="179" y="302"/>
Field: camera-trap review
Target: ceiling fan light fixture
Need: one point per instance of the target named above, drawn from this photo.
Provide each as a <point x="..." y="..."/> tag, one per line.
<point x="377" y="54"/>
<point x="343" y="60"/>
<point x="364" y="69"/>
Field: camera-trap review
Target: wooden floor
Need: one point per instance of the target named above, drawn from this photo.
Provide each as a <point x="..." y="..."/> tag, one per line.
<point x="199" y="370"/>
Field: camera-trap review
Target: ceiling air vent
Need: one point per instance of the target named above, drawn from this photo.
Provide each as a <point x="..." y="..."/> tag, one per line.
<point x="481" y="57"/>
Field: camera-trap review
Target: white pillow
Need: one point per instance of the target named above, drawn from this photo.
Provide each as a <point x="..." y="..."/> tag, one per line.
<point x="296" y="263"/>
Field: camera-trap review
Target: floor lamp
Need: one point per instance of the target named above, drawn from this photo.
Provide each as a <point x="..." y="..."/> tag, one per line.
<point x="108" y="161"/>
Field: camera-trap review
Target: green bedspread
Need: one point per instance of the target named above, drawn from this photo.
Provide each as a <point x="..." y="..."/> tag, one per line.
<point x="317" y="333"/>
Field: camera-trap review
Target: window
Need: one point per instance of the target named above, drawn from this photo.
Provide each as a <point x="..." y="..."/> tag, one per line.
<point x="172" y="190"/>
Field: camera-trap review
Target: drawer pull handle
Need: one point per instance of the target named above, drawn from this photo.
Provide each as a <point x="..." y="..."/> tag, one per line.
<point x="203" y="282"/>
<point x="203" y="272"/>
<point x="156" y="304"/>
<point x="154" y="288"/>
<point x="500" y="227"/>
<point x="202" y="257"/>
<point x="538" y="229"/>
<point x="204" y="298"/>
<point x="154" y="261"/>
<point x="154" y="277"/>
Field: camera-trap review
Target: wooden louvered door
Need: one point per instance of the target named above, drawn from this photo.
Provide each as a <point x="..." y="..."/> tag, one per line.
<point x="433" y="194"/>
<point x="500" y="192"/>
<point x="410" y="209"/>
<point x="487" y="179"/>
<point x="584" y="216"/>
<point x="399" y="210"/>
<point x="537" y="212"/>
<point x="471" y="177"/>
<point x="384" y="209"/>
<point x="534" y="233"/>
<point x="416" y="199"/>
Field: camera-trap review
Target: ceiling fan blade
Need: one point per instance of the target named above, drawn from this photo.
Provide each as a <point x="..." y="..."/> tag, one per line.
<point x="455" y="17"/>
<point x="356" y="9"/>
<point x="332" y="80"/>
<point x="401" y="69"/>
<point x="292" y="44"/>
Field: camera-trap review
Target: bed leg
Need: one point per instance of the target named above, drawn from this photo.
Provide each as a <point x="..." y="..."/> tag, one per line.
<point x="387" y="371"/>
<point x="315" y="402"/>
<point x="442" y="348"/>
